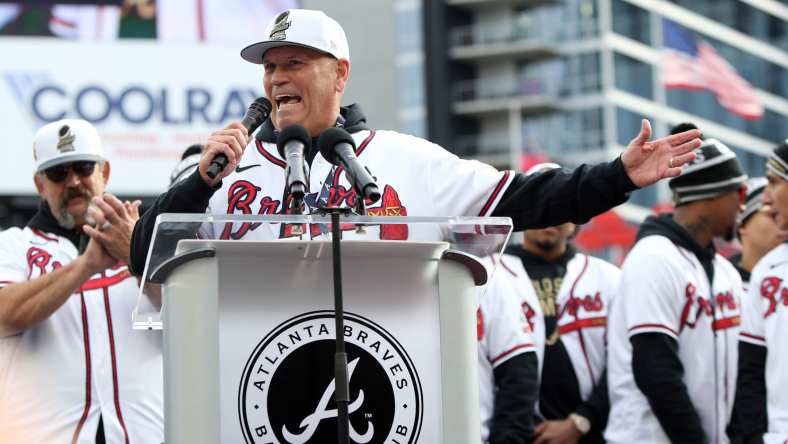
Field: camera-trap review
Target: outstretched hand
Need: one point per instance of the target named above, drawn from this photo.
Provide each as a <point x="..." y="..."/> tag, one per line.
<point x="646" y="161"/>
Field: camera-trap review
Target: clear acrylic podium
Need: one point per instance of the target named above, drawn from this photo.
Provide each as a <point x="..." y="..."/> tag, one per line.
<point x="246" y="306"/>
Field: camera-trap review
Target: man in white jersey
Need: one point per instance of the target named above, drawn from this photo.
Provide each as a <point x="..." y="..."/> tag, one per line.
<point x="763" y="359"/>
<point x="673" y="328"/>
<point x="757" y="230"/>
<point x="71" y="367"/>
<point x="508" y="380"/>
<point x="574" y="293"/>
<point x="306" y="62"/>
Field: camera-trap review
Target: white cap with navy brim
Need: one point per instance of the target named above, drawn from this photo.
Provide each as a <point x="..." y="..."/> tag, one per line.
<point x="301" y="27"/>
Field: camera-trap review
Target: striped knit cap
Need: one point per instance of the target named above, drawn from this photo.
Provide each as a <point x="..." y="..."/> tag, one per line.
<point x="755" y="187"/>
<point x="778" y="161"/>
<point x="714" y="171"/>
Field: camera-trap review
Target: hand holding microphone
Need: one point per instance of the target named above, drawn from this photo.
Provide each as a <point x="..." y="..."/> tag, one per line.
<point x="227" y="145"/>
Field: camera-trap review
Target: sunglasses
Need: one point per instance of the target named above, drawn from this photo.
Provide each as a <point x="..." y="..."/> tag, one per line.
<point x="59" y="173"/>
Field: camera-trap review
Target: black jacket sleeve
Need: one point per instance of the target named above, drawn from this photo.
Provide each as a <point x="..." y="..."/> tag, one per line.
<point x="658" y="373"/>
<point x="191" y="195"/>
<point x="597" y="406"/>
<point x="553" y="197"/>
<point x="749" y="420"/>
<point x="516" y="391"/>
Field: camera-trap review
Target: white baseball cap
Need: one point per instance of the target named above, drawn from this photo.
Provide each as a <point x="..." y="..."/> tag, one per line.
<point x="301" y="27"/>
<point x="68" y="140"/>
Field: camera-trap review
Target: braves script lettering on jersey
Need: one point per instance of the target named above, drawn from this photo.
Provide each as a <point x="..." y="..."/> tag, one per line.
<point x="502" y="333"/>
<point x="447" y="186"/>
<point x="82" y="362"/>
<point x="572" y="314"/>
<point x="765" y="323"/>
<point x="664" y="289"/>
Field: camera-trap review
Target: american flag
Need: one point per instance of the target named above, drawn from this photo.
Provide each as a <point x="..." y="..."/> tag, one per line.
<point x="693" y="64"/>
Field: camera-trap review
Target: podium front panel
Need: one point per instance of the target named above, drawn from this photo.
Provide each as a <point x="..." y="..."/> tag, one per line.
<point x="276" y="342"/>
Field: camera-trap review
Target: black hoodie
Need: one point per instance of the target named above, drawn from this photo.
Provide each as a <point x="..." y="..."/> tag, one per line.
<point x="656" y="367"/>
<point x="539" y="200"/>
<point x="559" y="389"/>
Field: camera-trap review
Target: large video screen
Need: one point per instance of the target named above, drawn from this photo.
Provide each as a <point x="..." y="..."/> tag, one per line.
<point x="154" y="76"/>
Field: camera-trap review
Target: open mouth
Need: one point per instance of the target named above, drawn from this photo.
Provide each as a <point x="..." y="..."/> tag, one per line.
<point x="285" y="100"/>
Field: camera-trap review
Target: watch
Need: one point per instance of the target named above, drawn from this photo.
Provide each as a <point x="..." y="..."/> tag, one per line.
<point x="581" y="422"/>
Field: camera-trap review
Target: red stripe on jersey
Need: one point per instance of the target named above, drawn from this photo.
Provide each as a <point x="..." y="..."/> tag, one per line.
<point x="510" y="351"/>
<point x="60" y="21"/>
<point x="660" y="326"/>
<point x="579" y="333"/>
<point x="726" y="323"/>
<point x="495" y="193"/>
<point x="111" y="334"/>
<point x="271" y="158"/>
<point x="86" y="342"/>
<point x="105" y="281"/>
<point x="583" y="323"/>
<point x="756" y="337"/>
<point x="505" y="267"/>
<point x="200" y="20"/>
<point x="360" y="148"/>
<point x="38" y="232"/>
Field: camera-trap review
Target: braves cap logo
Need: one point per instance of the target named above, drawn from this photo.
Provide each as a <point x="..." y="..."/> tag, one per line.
<point x="281" y="25"/>
<point x="66" y="138"/>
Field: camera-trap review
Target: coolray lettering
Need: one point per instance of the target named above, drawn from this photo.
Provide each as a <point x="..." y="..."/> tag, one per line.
<point x="139" y="104"/>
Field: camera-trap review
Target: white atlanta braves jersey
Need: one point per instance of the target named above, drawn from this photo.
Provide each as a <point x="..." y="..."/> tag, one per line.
<point x="580" y="307"/>
<point x="502" y="333"/>
<point x="511" y="268"/>
<point x="416" y="178"/>
<point x="664" y="289"/>
<point x="765" y="323"/>
<point x="83" y="361"/>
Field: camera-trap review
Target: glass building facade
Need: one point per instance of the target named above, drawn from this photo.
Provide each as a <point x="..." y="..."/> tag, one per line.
<point x="572" y="79"/>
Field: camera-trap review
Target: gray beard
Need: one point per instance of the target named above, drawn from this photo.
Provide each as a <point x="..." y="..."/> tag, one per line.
<point x="65" y="219"/>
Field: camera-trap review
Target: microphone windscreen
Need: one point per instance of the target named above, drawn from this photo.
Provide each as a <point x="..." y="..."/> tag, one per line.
<point x="329" y="139"/>
<point x="261" y="105"/>
<point x="293" y="132"/>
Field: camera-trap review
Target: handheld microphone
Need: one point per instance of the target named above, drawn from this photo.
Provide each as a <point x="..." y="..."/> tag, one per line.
<point x="338" y="147"/>
<point x="256" y="114"/>
<point x="292" y="143"/>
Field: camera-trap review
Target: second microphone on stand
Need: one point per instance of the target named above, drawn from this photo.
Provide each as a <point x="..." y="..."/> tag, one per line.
<point x="338" y="147"/>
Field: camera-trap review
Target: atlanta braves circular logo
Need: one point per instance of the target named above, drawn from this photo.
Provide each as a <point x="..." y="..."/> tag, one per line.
<point x="286" y="393"/>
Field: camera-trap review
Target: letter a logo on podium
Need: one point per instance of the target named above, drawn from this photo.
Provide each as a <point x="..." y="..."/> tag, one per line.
<point x="286" y="392"/>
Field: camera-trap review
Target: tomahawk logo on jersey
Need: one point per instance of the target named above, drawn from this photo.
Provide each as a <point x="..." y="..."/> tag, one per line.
<point x="465" y="188"/>
<point x="765" y="324"/>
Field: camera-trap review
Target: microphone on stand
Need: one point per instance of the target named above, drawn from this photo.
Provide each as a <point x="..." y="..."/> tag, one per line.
<point x="293" y="143"/>
<point x="338" y="147"/>
<point x="256" y="114"/>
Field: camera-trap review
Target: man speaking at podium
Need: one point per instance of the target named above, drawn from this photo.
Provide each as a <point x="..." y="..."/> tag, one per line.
<point x="306" y="66"/>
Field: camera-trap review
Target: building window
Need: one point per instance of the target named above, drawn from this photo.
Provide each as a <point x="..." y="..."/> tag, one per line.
<point x="631" y="21"/>
<point x="634" y="76"/>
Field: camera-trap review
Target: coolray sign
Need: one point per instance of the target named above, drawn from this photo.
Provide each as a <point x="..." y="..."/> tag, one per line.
<point x="149" y="102"/>
<point x="286" y="392"/>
